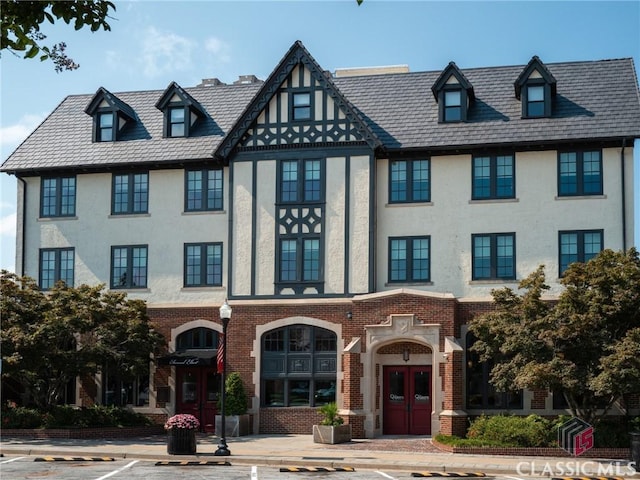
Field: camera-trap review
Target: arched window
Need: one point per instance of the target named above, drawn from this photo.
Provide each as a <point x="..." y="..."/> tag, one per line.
<point x="197" y="338"/>
<point x="298" y="366"/>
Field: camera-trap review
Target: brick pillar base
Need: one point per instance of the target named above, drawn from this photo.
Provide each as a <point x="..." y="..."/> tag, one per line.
<point x="453" y="423"/>
<point x="357" y="425"/>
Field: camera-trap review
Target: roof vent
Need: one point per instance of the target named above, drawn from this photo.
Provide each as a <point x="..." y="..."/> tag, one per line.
<point x="384" y="70"/>
<point x="246" y="79"/>
<point x="210" y="82"/>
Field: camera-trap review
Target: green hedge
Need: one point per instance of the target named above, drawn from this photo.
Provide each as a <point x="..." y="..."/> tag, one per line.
<point x="536" y="431"/>
<point x="70" y="417"/>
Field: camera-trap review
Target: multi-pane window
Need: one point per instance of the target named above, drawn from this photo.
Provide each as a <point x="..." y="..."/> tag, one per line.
<point x="300" y="260"/>
<point x="480" y="393"/>
<point x="177" y="122"/>
<point x="452" y="105"/>
<point x="494" y="256"/>
<point x="119" y="389"/>
<point x="58" y="197"/>
<point x="301" y="106"/>
<point x="197" y="339"/>
<point x="409" y="181"/>
<point x="129" y="266"/>
<point x="56" y="264"/>
<point x="579" y="246"/>
<point x="106" y="132"/>
<point x="299" y="364"/>
<point x="203" y="190"/>
<point x="493" y="177"/>
<point x="409" y="259"/>
<point x="203" y="264"/>
<point x="580" y="173"/>
<point x="301" y="180"/>
<point x="535" y="101"/>
<point x="130" y="193"/>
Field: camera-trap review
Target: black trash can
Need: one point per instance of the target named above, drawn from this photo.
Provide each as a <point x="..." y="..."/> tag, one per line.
<point x="635" y="449"/>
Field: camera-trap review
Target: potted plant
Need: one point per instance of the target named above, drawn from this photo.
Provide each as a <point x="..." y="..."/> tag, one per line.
<point x="237" y="419"/>
<point x="331" y="429"/>
<point x="181" y="434"/>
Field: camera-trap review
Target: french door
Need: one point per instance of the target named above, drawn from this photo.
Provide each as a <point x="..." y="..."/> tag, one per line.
<point x="197" y="392"/>
<point x="407" y="400"/>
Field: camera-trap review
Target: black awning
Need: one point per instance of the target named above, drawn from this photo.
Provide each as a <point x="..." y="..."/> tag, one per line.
<point x="189" y="358"/>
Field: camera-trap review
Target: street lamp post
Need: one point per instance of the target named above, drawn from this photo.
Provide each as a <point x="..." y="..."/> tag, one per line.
<point x="225" y="316"/>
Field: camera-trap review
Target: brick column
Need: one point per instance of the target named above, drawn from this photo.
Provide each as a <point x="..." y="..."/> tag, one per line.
<point x="453" y="418"/>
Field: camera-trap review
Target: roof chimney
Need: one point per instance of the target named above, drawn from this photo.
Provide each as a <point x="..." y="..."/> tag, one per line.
<point x="210" y="82"/>
<point x="246" y="79"/>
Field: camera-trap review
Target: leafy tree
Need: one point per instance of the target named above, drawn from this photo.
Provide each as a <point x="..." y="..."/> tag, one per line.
<point x="21" y="22"/>
<point x="48" y="339"/>
<point x="585" y="345"/>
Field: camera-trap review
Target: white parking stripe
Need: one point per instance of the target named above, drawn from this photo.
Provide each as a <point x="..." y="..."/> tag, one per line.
<point x="386" y="476"/>
<point x="254" y="473"/>
<point x="118" y="470"/>
<point x="11" y="460"/>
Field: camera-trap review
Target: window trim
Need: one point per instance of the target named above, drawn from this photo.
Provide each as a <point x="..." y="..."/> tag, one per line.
<point x="493" y="267"/>
<point x="129" y="267"/>
<point x="580" y="244"/>
<point x="580" y="172"/>
<point x="410" y="170"/>
<point x="301" y="191"/>
<point x="300" y="260"/>
<point x="409" y="259"/>
<point x="204" y="190"/>
<point x="203" y="264"/>
<point x="295" y="108"/>
<point x="546" y="101"/>
<point x="57" y="270"/>
<point x="493" y="177"/>
<point x="312" y="356"/>
<point x="59" y="196"/>
<point x="130" y="193"/>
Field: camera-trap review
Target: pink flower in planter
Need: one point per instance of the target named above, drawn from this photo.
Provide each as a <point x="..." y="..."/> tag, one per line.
<point x="182" y="420"/>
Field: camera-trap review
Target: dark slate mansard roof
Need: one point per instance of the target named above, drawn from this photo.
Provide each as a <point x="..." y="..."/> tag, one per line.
<point x="596" y="101"/>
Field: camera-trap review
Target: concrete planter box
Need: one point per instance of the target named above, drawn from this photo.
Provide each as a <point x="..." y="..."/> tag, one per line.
<point x="235" y="425"/>
<point x="331" y="435"/>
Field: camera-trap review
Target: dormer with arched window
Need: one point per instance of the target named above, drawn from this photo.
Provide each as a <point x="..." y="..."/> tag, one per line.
<point x="536" y="88"/>
<point x="454" y="95"/>
<point x="110" y="116"/>
<point x="181" y="111"/>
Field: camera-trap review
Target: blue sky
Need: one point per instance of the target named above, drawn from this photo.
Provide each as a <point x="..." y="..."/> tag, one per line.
<point x="152" y="43"/>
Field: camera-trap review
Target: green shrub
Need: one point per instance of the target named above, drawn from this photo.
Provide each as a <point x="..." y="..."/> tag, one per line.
<point x="235" y="396"/>
<point x="70" y="417"/>
<point x="467" y="442"/>
<point x="513" y="431"/>
<point x="329" y="412"/>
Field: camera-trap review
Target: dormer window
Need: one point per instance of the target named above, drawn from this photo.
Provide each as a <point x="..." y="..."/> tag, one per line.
<point x="452" y="106"/>
<point x="181" y="112"/>
<point x="110" y="116"/>
<point x="454" y="95"/>
<point x="536" y="88"/>
<point x="105" y="127"/>
<point x="176" y="122"/>
<point x="301" y="106"/>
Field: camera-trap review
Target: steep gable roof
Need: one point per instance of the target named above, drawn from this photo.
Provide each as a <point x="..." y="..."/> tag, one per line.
<point x="175" y="89"/>
<point x="452" y="69"/>
<point x="297" y="54"/>
<point x="104" y="95"/>
<point x="535" y="64"/>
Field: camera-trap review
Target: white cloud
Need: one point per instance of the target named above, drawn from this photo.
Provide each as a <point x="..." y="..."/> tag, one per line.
<point x="8" y="225"/>
<point x="219" y="48"/>
<point x="12" y="135"/>
<point x="164" y="52"/>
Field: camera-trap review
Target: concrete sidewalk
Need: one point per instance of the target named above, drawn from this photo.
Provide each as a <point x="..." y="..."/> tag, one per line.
<point x="385" y="453"/>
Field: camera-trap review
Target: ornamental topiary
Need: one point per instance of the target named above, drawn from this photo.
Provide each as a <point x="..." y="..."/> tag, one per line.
<point x="235" y="395"/>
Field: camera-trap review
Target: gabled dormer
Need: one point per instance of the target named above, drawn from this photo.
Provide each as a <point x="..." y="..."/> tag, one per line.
<point x="110" y="116"/>
<point x="454" y="95"/>
<point x="181" y="111"/>
<point x="536" y="88"/>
